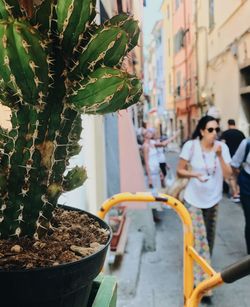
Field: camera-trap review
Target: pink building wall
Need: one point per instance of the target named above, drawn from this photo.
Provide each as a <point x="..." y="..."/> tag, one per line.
<point x="185" y="65"/>
<point x="131" y="171"/>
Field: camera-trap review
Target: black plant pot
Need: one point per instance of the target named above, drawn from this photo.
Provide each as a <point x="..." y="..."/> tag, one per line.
<point x="66" y="285"/>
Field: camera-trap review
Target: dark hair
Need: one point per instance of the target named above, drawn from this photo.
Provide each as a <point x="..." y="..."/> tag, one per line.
<point x="231" y="122"/>
<point x="202" y="125"/>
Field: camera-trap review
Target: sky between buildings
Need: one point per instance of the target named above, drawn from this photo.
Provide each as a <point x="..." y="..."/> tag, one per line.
<point x="151" y="15"/>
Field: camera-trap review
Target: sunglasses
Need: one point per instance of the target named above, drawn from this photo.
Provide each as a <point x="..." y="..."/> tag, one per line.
<point x="210" y="130"/>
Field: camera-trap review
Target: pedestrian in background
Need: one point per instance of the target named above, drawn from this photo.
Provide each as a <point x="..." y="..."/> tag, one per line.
<point x="151" y="160"/>
<point x="210" y="162"/>
<point x="241" y="159"/>
<point x="161" y="151"/>
<point x="151" y="156"/>
<point x="233" y="137"/>
<point x="152" y="166"/>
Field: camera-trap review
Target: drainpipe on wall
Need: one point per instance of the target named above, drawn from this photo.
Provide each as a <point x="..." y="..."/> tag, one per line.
<point x="197" y="58"/>
<point x="186" y="70"/>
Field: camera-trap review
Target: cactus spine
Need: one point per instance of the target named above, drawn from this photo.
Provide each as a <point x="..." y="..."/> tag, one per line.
<point x="54" y="66"/>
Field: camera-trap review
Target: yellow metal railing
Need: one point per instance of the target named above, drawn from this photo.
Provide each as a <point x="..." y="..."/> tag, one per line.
<point x="192" y="295"/>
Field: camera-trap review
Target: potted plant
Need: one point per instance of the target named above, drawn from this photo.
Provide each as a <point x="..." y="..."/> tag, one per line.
<point x="55" y="64"/>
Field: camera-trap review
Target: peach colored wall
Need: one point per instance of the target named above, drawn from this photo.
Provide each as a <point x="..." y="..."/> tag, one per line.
<point x="185" y="63"/>
<point x="131" y="171"/>
<point x="229" y="49"/>
<point x="132" y="176"/>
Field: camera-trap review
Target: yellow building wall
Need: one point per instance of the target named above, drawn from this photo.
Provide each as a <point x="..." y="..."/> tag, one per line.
<point x="167" y="13"/>
<point x="167" y="18"/>
<point x="228" y="27"/>
<point x="222" y="50"/>
<point x="137" y="8"/>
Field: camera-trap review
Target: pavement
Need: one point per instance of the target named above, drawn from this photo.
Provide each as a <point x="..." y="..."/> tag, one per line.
<point x="154" y="278"/>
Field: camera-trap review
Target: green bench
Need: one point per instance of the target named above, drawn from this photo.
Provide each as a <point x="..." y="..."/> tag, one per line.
<point x="104" y="292"/>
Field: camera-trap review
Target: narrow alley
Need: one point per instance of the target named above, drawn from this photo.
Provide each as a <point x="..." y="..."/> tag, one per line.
<point x="154" y="279"/>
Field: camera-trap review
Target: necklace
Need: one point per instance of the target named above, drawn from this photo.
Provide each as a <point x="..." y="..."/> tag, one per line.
<point x="206" y="166"/>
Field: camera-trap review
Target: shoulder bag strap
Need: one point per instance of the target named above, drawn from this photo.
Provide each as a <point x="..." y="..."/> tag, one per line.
<point x="191" y="151"/>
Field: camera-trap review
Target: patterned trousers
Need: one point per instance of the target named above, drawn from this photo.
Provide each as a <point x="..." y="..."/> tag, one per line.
<point x="204" y="227"/>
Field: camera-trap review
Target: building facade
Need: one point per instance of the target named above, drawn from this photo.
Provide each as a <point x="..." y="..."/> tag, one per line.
<point x="150" y="88"/>
<point x="224" y="46"/>
<point x="168" y="43"/>
<point x="206" y="60"/>
<point x="185" y="67"/>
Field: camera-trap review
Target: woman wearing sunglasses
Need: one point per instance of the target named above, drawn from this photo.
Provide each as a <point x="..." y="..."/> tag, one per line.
<point x="209" y="161"/>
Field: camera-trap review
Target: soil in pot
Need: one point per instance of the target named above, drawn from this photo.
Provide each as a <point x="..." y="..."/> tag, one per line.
<point x="75" y="235"/>
<point x="58" y="270"/>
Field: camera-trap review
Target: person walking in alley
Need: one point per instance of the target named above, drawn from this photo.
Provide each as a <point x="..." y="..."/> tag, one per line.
<point x="233" y="137"/>
<point x="242" y="159"/>
<point x="151" y="160"/>
<point x="209" y="160"/>
<point x="161" y="151"/>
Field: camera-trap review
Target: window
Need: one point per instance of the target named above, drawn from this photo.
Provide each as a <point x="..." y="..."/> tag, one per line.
<point x="171" y="124"/>
<point x="179" y="40"/>
<point x="211" y="14"/>
<point x="158" y="40"/>
<point x="181" y="127"/>
<point x="178" y="84"/>
<point x="169" y="84"/>
<point x="193" y="124"/>
<point x="177" y="4"/>
<point x="168" y="12"/>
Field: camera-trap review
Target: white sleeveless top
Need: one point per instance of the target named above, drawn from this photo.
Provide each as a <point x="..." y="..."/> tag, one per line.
<point x="153" y="158"/>
<point x="204" y="194"/>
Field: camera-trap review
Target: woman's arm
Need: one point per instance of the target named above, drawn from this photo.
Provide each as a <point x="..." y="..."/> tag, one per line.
<point x="146" y="160"/>
<point x="182" y="170"/>
<point x="166" y="142"/>
<point x="226" y="167"/>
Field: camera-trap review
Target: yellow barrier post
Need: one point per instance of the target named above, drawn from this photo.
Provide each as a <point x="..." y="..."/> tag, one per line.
<point x="179" y="208"/>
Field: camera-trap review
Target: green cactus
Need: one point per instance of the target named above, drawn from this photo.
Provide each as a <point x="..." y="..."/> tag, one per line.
<point x="54" y="66"/>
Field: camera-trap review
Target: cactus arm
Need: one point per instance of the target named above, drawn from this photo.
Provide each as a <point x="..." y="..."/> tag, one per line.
<point x="132" y="29"/>
<point x="113" y="104"/>
<point x="10" y="8"/>
<point x="47" y="95"/>
<point x="115" y="55"/>
<point x="134" y="93"/>
<point x="125" y="97"/>
<point x="74" y="179"/>
<point x="106" y="90"/>
<point x="24" y="75"/>
<point x="74" y="16"/>
<point x="74" y="136"/>
<point x="14" y="175"/>
<point x="43" y="16"/>
<point x="97" y="89"/>
<point x="127" y="24"/>
<point x="111" y="45"/>
<point x="5" y="71"/>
